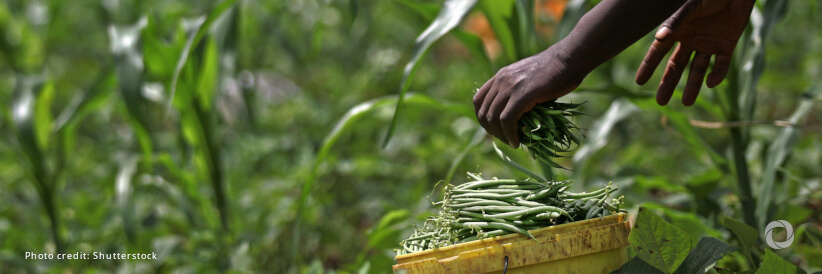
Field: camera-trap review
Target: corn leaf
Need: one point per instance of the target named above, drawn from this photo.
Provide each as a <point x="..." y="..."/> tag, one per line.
<point x="778" y="152"/>
<point x="449" y="17"/>
<point x="193" y="40"/>
<point x="350" y="118"/>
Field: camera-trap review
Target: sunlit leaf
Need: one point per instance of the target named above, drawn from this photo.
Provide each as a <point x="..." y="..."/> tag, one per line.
<point x="208" y="76"/>
<point x="125" y="45"/>
<point x="124" y="190"/>
<point x="426" y="10"/>
<point x="597" y="136"/>
<point x="193" y="40"/>
<point x="449" y="17"/>
<point x="43" y="121"/>
<point x="657" y="242"/>
<point x="775" y="264"/>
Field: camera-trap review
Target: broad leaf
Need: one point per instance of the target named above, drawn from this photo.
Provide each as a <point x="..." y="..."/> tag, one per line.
<point x="637" y="265"/>
<point x="659" y="243"/>
<point x="746" y="234"/>
<point x="775" y="264"/>
<point x="449" y="17"/>
<point x="707" y="252"/>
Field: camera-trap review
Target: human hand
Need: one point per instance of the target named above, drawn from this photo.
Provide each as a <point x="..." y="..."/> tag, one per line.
<point x="707" y="27"/>
<point x="517" y="88"/>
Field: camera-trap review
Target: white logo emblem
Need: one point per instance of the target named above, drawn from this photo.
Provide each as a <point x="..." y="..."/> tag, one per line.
<point x="769" y="234"/>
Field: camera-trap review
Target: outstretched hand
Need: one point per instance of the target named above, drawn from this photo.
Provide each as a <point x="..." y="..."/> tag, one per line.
<point x="517" y="88"/>
<point x="706" y="27"/>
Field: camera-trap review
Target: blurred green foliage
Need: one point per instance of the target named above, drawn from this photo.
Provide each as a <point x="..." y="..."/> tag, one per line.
<point x="248" y="135"/>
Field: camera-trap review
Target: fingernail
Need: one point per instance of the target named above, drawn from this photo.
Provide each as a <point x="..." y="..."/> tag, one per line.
<point x="662" y="33"/>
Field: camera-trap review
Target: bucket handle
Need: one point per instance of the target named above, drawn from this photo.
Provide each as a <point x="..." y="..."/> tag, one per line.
<point x="505" y="267"/>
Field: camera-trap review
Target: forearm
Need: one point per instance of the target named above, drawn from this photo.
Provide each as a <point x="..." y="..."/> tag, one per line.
<point x="608" y="29"/>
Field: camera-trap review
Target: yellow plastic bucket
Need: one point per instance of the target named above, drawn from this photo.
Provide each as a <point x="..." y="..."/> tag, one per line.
<point x="590" y="246"/>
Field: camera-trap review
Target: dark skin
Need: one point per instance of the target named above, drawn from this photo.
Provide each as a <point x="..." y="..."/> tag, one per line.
<point x="707" y="27"/>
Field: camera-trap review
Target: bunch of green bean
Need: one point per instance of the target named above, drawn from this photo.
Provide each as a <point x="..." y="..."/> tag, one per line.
<point x="492" y="207"/>
<point x="546" y="131"/>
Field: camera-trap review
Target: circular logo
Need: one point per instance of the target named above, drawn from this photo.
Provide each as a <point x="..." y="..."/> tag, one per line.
<point x="769" y="234"/>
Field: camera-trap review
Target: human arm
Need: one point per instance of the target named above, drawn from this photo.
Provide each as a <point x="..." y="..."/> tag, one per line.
<point x="600" y="34"/>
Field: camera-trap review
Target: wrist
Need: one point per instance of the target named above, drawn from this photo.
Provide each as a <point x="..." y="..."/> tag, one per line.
<point x="569" y="71"/>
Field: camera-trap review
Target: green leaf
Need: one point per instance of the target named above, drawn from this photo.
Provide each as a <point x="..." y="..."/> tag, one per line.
<point x="130" y="78"/>
<point x="707" y="252"/>
<point x="599" y="132"/>
<point x="746" y="234"/>
<point x="355" y="113"/>
<point x="681" y="123"/>
<point x="449" y="17"/>
<point x="525" y="28"/>
<point x="574" y="10"/>
<point x="42" y="115"/>
<point x="387" y="231"/>
<point x="23" y="115"/>
<point x="470" y="145"/>
<point x="477" y="49"/>
<point x="775" y="264"/>
<point x="637" y="265"/>
<point x="778" y="152"/>
<point x="657" y="242"/>
<point x="124" y="191"/>
<point x="209" y="76"/>
<point x="193" y="40"/>
<point x="426" y="10"/>
<point x="92" y="98"/>
<point x="814" y="234"/>
<point x="497" y="12"/>
<point x="516" y="166"/>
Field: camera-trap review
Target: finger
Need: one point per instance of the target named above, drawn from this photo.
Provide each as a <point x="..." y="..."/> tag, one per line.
<point x="673" y="71"/>
<point x="493" y="116"/>
<point x="486" y="105"/>
<point x="479" y="97"/>
<point x="719" y="71"/>
<point x="699" y="65"/>
<point x="510" y="116"/>
<point x="655" y="54"/>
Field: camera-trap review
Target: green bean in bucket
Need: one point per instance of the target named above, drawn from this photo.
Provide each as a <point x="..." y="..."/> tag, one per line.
<point x="493" y="207"/>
